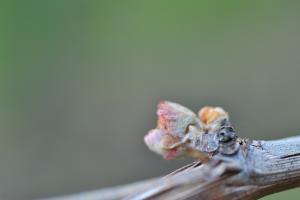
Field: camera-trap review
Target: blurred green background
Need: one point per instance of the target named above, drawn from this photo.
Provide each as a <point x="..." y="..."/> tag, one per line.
<point x="80" y="80"/>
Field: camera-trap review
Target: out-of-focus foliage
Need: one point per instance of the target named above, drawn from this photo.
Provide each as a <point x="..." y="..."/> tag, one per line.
<point x="80" y="80"/>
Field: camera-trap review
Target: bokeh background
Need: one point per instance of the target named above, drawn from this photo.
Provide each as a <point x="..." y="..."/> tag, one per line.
<point x="80" y="81"/>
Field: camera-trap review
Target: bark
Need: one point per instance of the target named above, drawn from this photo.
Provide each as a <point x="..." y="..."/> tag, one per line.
<point x="257" y="169"/>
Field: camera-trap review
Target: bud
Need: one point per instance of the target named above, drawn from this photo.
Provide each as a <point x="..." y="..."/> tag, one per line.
<point x="180" y="132"/>
<point x="209" y="115"/>
<point x="161" y="143"/>
<point x="174" y="118"/>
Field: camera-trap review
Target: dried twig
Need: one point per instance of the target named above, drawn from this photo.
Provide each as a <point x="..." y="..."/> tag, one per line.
<point x="258" y="169"/>
<point x="232" y="167"/>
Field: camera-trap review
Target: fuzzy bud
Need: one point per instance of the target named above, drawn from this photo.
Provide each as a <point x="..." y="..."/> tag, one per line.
<point x="174" y="118"/>
<point x="160" y="142"/>
<point x="208" y="114"/>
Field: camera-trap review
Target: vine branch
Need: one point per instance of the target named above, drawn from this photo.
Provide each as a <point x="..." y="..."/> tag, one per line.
<point x="258" y="169"/>
<point x="228" y="167"/>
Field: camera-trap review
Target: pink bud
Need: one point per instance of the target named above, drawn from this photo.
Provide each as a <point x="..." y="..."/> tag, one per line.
<point x="174" y="118"/>
<point x="153" y="138"/>
<point x="160" y="142"/>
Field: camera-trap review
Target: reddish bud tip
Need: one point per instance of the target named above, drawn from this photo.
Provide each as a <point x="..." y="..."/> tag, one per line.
<point x="160" y="142"/>
<point x="174" y="118"/>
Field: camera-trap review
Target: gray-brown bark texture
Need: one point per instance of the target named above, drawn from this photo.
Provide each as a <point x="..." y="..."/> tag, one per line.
<point x="257" y="169"/>
<point x="229" y="167"/>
